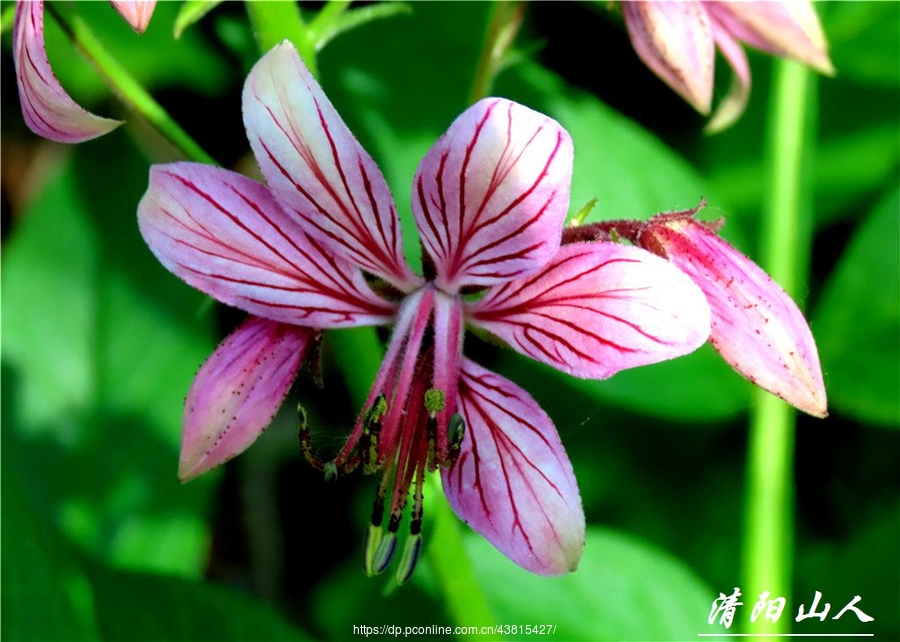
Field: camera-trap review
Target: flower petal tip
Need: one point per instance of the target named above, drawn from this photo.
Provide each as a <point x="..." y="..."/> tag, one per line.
<point x="675" y="40"/>
<point x="47" y="108"/>
<point x="136" y="13"/>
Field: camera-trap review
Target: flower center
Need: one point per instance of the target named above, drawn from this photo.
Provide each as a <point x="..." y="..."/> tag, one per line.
<point x="409" y="424"/>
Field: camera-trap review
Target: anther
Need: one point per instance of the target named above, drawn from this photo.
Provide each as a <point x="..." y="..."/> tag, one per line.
<point x="384" y="553"/>
<point x="434" y="401"/>
<point x="373" y="540"/>
<point x="374" y="535"/>
<point x="412" y="549"/>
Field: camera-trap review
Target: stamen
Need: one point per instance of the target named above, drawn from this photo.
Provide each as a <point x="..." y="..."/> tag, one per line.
<point x="384" y="553"/>
<point x="375" y="533"/>
<point x="431" y="427"/>
<point x="434" y="401"/>
<point x="412" y="549"/>
<point x="305" y="448"/>
<point x="368" y="442"/>
<point x="373" y="539"/>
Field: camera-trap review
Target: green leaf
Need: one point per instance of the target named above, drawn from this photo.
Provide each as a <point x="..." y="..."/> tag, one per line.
<point x="141" y="606"/>
<point x="50" y="594"/>
<point x="45" y="596"/>
<point x="839" y="184"/>
<point x="103" y="344"/>
<point x="191" y="12"/>
<point x="329" y="24"/>
<point x="188" y="62"/>
<point x="624" y="589"/>
<point x="864" y="40"/>
<point x="857" y="323"/>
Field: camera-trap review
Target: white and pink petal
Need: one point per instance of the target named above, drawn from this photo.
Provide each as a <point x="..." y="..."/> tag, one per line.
<point x="596" y="309"/>
<point x="225" y="235"/>
<point x="318" y="170"/>
<point x="513" y="482"/>
<point x="674" y="39"/>
<point x="491" y="195"/>
<point x="237" y="392"/>
<point x="788" y="28"/>
<point x="48" y="109"/>
<point x="735" y="102"/>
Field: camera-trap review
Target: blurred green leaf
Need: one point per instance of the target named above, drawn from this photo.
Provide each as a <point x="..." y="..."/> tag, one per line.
<point x="624" y="589"/>
<point x="330" y="23"/>
<point x="348" y="597"/>
<point x="191" y="12"/>
<point x="45" y="596"/>
<point x="103" y="344"/>
<point x="186" y="62"/>
<point x="141" y="606"/>
<point x="678" y="389"/>
<point x="840" y="569"/>
<point x="864" y="40"/>
<point x="857" y="323"/>
<point x="875" y="150"/>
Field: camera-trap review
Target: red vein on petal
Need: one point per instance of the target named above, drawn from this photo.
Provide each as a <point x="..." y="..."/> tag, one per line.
<point x="340" y="291"/>
<point x="387" y="260"/>
<point x="300" y="274"/>
<point x="503" y="444"/>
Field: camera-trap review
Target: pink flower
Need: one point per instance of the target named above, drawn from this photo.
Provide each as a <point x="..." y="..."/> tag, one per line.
<point x="48" y="110"/>
<point x="756" y="326"/>
<point x="320" y="247"/>
<point x="677" y="40"/>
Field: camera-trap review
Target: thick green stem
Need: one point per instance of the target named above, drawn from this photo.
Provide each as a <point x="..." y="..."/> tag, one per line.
<point x="128" y="89"/>
<point x="506" y="18"/>
<point x="276" y="21"/>
<point x="768" y="519"/>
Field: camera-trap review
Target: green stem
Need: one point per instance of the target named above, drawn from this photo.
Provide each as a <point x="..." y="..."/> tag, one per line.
<point x="276" y="21"/>
<point x="327" y="16"/>
<point x="506" y="18"/>
<point x="128" y="89"/>
<point x="462" y="594"/>
<point x="7" y="17"/>
<point x="768" y="519"/>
